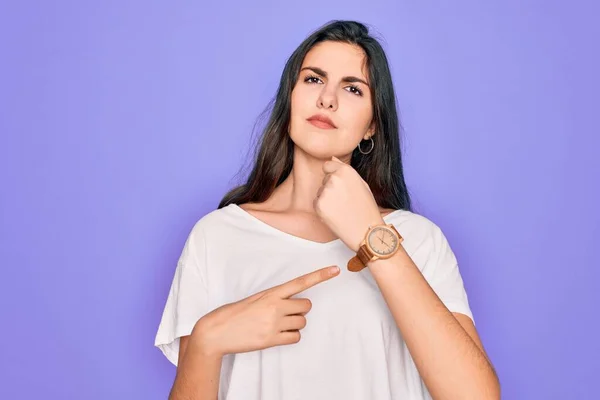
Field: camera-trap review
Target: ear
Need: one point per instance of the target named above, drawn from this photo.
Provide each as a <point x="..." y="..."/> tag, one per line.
<point x="370" y="132"/>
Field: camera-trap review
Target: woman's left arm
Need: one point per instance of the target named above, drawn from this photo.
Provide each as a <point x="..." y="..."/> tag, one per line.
<point x="444" y="346"/>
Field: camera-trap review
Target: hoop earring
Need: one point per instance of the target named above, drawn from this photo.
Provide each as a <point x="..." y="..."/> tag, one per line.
<point x="370" y="150"/>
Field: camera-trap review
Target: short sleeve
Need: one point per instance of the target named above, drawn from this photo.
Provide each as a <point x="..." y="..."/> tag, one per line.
<point x="187" y="300"/>
<point x="443" y="274"/>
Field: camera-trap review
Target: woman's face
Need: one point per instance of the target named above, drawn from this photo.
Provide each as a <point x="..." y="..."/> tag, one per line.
<point x="332" y="83"/>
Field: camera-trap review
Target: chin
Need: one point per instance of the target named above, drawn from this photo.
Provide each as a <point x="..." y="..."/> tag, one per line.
<point x="319" y="144"/>
<point x="318" y="152"/>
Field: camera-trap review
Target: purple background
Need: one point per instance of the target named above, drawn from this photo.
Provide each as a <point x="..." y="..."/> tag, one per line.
<point x="123" y="122"/>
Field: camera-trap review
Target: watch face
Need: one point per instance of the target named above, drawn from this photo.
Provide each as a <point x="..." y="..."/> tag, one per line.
<point x="382" y="241"/>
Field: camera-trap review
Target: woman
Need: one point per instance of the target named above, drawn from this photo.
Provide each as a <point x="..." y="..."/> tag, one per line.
<point x="256" y="310"/>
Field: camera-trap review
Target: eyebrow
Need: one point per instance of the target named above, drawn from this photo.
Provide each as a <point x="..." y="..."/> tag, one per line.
<point x="349" y="79"/>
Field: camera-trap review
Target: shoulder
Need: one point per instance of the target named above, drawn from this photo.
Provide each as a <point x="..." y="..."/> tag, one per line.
<point x="412" y="223"/>
<point x="215" y="220"/>
<point x="222" y="226"/>
<point x="419" y="232"/>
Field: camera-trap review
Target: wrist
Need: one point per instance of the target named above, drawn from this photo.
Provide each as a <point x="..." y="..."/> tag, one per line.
<point x="364" y="229"/>
<point x="202" y="339"/>
<point x="383" y="262"/>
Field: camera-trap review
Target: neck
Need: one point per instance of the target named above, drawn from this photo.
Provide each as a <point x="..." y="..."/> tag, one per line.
<point x="300" y="188"/>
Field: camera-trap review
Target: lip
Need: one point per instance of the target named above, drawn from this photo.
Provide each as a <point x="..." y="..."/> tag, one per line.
<point x="321" y="121"/>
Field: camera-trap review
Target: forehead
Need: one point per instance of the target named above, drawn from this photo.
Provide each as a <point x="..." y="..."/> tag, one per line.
<point x="337" y="59"/>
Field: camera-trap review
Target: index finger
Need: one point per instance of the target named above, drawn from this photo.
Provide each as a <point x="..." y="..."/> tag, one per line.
<point x="301" y="283"/>
<point x="332" y="165"/>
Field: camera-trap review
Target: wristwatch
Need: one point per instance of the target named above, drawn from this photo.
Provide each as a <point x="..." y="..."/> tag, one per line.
<point x="380" y="242"/>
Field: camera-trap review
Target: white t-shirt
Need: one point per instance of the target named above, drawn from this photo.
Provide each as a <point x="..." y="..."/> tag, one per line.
<point x="351" y="348"/>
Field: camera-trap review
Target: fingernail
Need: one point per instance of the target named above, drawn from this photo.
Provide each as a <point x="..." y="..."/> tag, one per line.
<point x="334" y="270"/>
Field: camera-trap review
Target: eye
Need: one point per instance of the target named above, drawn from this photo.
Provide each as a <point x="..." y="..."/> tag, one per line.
<point x="355" y="90"/>
<point x="312" y="79"/>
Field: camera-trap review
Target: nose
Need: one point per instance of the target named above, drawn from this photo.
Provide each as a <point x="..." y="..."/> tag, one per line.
<point x="327" y="99"/>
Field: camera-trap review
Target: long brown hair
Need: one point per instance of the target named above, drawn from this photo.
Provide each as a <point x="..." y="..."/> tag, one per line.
<point x="381" y="168"/>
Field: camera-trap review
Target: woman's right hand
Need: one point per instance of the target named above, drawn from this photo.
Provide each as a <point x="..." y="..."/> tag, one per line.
<point x="265" y="319"/>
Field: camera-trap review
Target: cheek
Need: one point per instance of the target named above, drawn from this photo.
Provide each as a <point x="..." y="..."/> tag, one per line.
<point x="357" y="116"/>
<point x="300" y="99"/>
<point x="294" y="103"/>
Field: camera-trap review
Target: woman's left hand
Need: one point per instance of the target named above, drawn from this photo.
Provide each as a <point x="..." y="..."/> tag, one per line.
<point x="345" y="203"/>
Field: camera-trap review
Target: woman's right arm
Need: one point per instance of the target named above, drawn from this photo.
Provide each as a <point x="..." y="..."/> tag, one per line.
<point x="198" y="371"/>
<point x="266" y="319"/>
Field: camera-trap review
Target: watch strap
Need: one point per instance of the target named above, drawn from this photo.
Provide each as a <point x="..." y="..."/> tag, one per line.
<point x="361" y="259"/>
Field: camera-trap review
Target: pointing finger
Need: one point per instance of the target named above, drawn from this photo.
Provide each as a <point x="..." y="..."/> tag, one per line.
<point x="300" y="284"/>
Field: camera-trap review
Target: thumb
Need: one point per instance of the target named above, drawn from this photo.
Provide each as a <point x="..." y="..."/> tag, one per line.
<point x="337" y="159"/>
